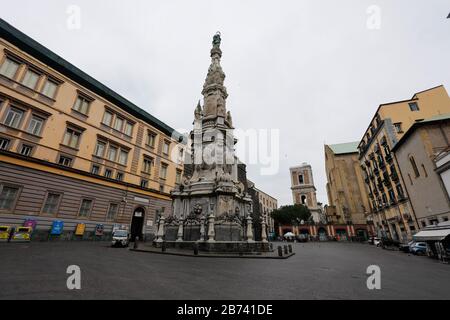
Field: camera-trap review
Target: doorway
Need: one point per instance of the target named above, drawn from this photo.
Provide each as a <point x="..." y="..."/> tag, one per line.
<point x="137" y="223"/>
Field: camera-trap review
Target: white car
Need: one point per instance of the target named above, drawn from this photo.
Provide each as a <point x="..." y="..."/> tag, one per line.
<point x="120" y="238"/>
<point x="377" y="241"/>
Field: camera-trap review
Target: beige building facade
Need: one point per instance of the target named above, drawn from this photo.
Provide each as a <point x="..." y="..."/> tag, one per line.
<point x="390" y="204"/>
<point x="347" y="196"/>
<point x="423" y="162"/>
<point x="72" y="149"/>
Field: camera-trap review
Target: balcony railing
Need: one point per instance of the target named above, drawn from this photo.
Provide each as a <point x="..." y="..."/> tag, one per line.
<point x="388" y="157"/>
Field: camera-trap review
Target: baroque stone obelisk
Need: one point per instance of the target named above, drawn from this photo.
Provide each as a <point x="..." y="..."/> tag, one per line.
<point x="211" y="205"/>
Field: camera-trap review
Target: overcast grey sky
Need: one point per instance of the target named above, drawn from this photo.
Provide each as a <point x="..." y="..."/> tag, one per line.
<point x="312" y="69"/>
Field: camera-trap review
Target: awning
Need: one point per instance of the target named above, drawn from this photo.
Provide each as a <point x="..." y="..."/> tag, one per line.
<point x="431" y="235"/>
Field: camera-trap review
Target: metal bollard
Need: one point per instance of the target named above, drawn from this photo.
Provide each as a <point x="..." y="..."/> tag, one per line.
<point x="290" y="248"/>
<point x="280" y="251"/>
<point x="285" y="249"/>
<point x="135" y="245"/>
<point x="271" y="246"/>
<point x="163" y="246"/>
<point x="195" y="249"/>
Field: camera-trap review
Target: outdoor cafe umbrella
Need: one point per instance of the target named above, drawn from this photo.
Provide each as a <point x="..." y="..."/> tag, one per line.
<point x="289" y="234"/>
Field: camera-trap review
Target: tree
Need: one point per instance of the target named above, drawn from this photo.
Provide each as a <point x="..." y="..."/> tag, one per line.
<point x="291" y="215"/>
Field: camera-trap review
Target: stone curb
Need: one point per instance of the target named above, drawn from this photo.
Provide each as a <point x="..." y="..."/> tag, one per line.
<point x="214" y="255"/>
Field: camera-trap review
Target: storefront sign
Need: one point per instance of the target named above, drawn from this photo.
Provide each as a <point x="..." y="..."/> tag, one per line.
<point x="57" y="228"/>
<point x="149" y="223"/>
<point x="30" y="223"/>
<point x="79" y="231"/>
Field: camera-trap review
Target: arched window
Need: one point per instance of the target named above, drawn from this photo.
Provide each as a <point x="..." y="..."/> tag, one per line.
<point x="414" y="166"/>
<point x="303" y="199"/>
<point x="424" y="170"/>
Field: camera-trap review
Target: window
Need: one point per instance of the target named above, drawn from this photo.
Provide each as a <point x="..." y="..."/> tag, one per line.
<point x="8" y="197"/>
<point x="303" y="199"/>
<point x="413" y="106"/>
<point x="163" y="173"/>
<point x="181" y="153"/>
<point x="9" y="68"/>
<point x="384" y="197"/>
<point x="128" y="129"/>
<point x="108" y="173"/>
<point x="95" y="169"/>
<point x="119" y="176"/>
<point x="148" y="162"/>
<point x="49" y="89"/>
<point x="166" y="147"/>
<point x="112" y="153"/>
<point x="71" y="138"/>
<point x="398" y="127"/>
<point x="30" y="79"/>
<point x="26" y="150"/>
<point x="100" y="149"/>
<point x="424" y="170"/>
<point x="400" y="191"/>
<point x="107" y="118"/>
<point x="85" y="208"/>
<point x="123" y="157"/>
<point x="13" y="118"/>
<point x="112" y="211"/>
<point x="178" y="177"/>
<point x="35" y="125"/>
<point x="65" y="161"/>
<point x="51" y="203"/>
<point x="4" y="144"/>
<point x="151" y="139"/>
<point x="144" y="183"/>
<point x="161" y="188"/>
<point x="300" y="179"/>
<point x="118" y="124"/>
<point x="414" y="166"/>
<point x="82" y="105"/>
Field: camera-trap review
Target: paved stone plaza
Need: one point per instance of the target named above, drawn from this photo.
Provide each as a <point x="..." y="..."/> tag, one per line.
<point x="316" y="271"/>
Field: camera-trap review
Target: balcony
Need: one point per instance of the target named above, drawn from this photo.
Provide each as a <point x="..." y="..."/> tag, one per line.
<point x="388" y="158"/>
<point x="394" y="176"/>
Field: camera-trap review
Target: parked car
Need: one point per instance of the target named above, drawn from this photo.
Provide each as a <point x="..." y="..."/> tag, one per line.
<point x="120" y="238"/>
<point x="419" y="248"/>
<point x="406" y="247"/>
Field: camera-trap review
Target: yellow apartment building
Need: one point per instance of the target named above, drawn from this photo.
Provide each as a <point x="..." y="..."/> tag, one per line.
<point x="348" y="202"/>
<point x="391" y="207"/>
<point x="73" y="150"/>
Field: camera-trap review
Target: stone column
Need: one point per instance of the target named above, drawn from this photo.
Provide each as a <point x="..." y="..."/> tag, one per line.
<point x="263" y="230"/>
<point x="180" y="230"/>
<point x="211" y="231"/>
<point x="160" y="234"/>
<point x="202" y="228"/>
<point x="250" y="229"/>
